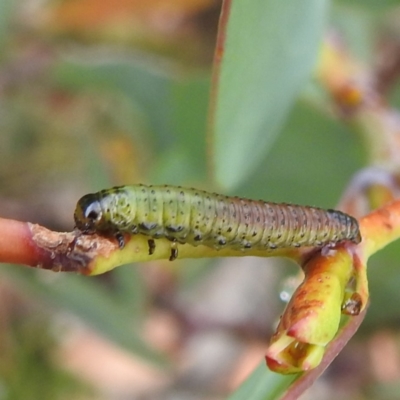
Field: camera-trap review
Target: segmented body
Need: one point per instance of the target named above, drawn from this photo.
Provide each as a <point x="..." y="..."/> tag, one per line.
<point x="198" y="217"/>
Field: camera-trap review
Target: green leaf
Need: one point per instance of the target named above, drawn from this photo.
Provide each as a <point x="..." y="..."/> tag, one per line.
<point x="310" y="163"/>
<point x="263" y="384"/>
<point x="270" y="49"/>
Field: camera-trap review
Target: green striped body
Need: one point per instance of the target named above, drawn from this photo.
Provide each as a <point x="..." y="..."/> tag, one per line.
<point x="198" y="217"/>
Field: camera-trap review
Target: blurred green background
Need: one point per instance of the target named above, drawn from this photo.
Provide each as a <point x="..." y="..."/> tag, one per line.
<point x="101" y="93"/>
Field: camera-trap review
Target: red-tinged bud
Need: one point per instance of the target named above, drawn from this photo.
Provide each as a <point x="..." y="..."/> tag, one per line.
<point x="311" y="319"/>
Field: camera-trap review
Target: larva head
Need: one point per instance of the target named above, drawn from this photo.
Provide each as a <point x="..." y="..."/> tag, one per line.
<point x="89" y="216"/>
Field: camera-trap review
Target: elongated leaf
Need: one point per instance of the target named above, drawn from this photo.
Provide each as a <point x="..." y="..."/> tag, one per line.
<point x="268" y="54"/>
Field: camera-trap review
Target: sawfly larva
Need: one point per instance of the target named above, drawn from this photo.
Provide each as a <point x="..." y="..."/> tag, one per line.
<point x="217" y="221"/>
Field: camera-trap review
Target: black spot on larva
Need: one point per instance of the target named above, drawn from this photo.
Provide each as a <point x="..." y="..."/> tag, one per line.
<point x="222" y="242"/>
<point x="147" y="226"/>
<point x="174" y="228"/>
<point x="197" y="238"/>
<point x="229" y="230"/>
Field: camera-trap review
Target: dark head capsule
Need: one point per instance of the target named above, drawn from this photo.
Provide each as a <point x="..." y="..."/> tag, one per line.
<point x="88" y="214"/>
